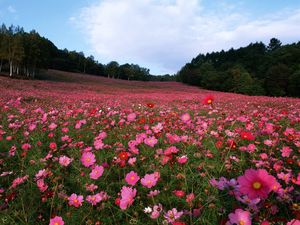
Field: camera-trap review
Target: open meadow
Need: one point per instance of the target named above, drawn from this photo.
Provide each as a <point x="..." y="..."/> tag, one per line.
<point x="82" y="149"/>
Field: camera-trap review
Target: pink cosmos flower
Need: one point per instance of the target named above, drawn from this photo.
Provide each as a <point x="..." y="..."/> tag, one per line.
<point x="284" y="176"/>
<point x="64" y="160"/>
<point x="268" y="142"/>
<point x="173" y="215"/>
<point x="157" y="209"/>
<point x="26" y="146"/>
<point x="286" y="151"/>
<point x="182" y="160"/>
<point x="294" y="222"/>
<point x="132" y="178"/>
<point x="240" y="217"/>
<point x="157" y="128"/>
<point x="257" y="183"/>
<point x="190" y="197"/>
<point x="98" y="144"/>
<point x="131" y="117"/>
<point x="185" y="117"/>
<point x="153" y="193"/>
<point x="75" y="200"/>
<point x="18" y="181"/>
<point x="56" y="221"/>
<point x="96" y="172"/>
<point x="88" y="159"/>
<point x="127" y="197"/>
<point x="150" y="141"/>
<point x="42" y="185"/>
<point x="91" y="187"/>
<point x="171" y="150"/>
<point x="52" y="146"/>
<point x="52" y="126"/>
<point x="94" y="199"/>
<point x="149" y="180"/>
<point x="131" y="161"/>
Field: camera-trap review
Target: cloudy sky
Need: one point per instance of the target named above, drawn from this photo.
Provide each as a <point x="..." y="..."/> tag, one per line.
<point x="161" y="35"/>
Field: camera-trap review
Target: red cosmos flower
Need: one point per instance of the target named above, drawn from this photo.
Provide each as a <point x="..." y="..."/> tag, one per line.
<point x="117" y="201"/>
<point x="150" y="105"/>
<point x="208" y="100"/>
<point x="179" y="193"/>
<point x="52" y="145"/>
<point x="123" y="155"/>
<point x="247" y="136"/>
<point x="218" y="144"/>
<point x="178" y="223"/>
<point x="142" y="120"/>
<point x="231" y="144"/>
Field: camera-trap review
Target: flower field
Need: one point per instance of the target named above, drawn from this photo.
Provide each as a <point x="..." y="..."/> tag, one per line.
<point x="102" y="151"/>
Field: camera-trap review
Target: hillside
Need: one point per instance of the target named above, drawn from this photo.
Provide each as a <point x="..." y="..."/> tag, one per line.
<point x="106" y="151"/>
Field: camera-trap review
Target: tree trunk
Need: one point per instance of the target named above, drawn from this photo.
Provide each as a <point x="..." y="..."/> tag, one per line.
<point x="10" y="68"/>
<point x="33" y="73"/>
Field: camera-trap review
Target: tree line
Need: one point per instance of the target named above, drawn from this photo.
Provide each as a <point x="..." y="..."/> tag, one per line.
<point x="24" y="54"/>
<point x="256" y="69"/>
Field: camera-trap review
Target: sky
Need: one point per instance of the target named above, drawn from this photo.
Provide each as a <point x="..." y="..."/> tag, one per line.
<point x="162" y="35"/>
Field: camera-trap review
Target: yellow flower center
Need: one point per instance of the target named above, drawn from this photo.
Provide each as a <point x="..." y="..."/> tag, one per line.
<point x="88" y="159"/>
<point x="242" y="222"/>
<point x="56" y="223"/>
<point x="132" y="177"/>
<point x="209" y="101"/>
<point x="256" y="185"/>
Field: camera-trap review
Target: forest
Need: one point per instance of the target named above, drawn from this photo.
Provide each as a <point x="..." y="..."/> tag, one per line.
<point x="24" y="54"/>
<point x="256" y="69"/>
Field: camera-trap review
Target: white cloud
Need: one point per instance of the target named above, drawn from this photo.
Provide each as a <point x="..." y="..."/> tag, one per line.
<point x="11" y="9"/>
<point x="164" y="35"/>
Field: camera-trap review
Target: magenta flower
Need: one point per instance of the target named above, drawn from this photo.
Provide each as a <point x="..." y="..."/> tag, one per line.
<point x="52" y="126"/>
<point x="132" y="178"/>
<point x="150" y="141"/>
<point x="157" y="209"/>
<point x="56" y="221"/>
<point x="294" y="222"/>
<point x="94" y="199"/>
<point x="149" y="180"/>
<point x="64" y="160"/>
<point x="182" y="160"/>
<point x="26" y="147"/>
<point x="18" y="181"/>
<point x="257" y="183"/>
<point x="173" y="215"/>
<point x="88" y="159"/>
<point x="131" y="117"/>
<point x="240" y="217"/>
<point x="96" y="172"/>
<point x="127" y="197"/>
<point x="42" y="185"/>
<point x="75" y="200"/>
<point x="286" y="151"/>
<point x="185" y="117"/>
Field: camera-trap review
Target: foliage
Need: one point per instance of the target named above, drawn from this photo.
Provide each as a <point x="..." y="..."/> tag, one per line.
<point x="24" y="54"/>
<point x="254" y="70"/>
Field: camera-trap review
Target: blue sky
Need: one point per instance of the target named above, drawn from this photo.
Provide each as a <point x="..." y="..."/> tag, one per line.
<point x="161" y="35"/>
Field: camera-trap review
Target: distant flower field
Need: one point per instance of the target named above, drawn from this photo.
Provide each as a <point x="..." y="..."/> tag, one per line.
<point x="117" y="152"/>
